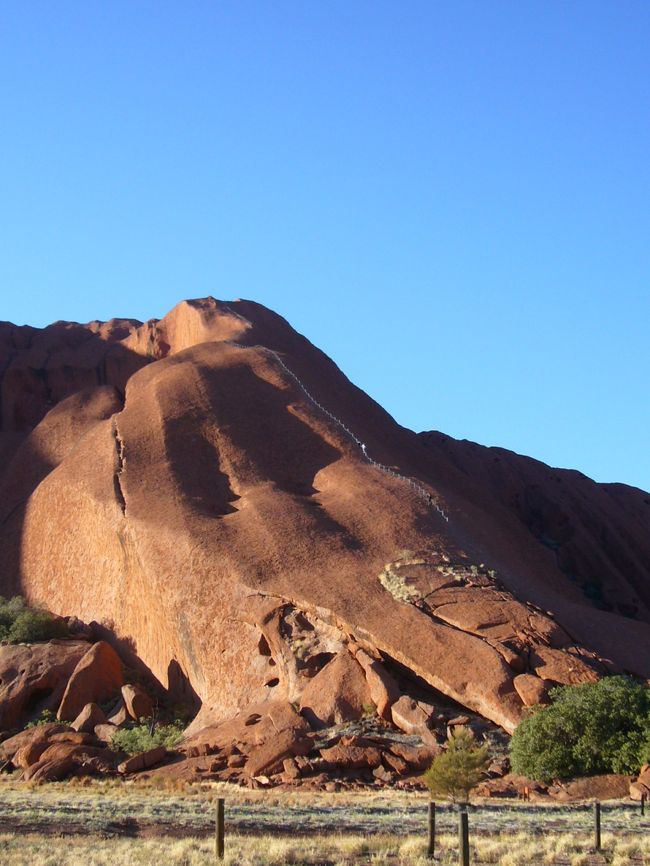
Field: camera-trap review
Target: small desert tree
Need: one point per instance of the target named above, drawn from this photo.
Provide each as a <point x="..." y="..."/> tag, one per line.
<point x="591" y="728"/>
<point x="460" y="768"/>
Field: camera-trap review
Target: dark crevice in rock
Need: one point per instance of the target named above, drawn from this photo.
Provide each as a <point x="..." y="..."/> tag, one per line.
<point x="119" y="467"/>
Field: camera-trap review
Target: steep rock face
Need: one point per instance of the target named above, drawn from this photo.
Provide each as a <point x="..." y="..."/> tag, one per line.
<point x="228" y="503"/>
<point x="588" y="543"/>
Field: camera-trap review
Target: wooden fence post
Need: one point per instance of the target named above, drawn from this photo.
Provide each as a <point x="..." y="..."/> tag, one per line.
<point x="220" y="830"/>
<point x="431" y="848"/>
<point x="463" y="840"/>
<point x="597" y="826"/>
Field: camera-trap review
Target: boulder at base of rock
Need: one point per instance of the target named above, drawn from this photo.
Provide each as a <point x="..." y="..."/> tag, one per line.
<point x="142" y="761"/>
<point x="91" y="716"/>
<point x="510" y="785"/>
<point x="137" y="702"/>
<point x="562" y="667"/>
<point x="64" y="759"/>
<point x="105" y="732"/>
<point x="413" y="717"/>
<point x="384" y="691"/>
<point x="262" y="735"/>
<point x="119" y="714"/>
<point x="348" y="755"/>
<point x="33" y="751"/>
<point x="34" y="677"/>
<point x="29" y="754"/>
<point x="417" y="757"/>
<point x="338" y="693"/>
<point x="97" y="677"/>
<point x="29" y="737"/>
<point x="531" y="689"/>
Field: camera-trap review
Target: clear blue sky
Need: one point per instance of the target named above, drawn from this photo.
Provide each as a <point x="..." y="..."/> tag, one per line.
<point x="452" y="199"/>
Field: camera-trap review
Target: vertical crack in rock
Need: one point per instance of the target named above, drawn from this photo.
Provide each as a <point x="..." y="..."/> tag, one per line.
<point x="118" y="468"/>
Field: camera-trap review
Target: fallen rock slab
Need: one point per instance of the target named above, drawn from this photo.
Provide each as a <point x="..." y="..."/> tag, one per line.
<point x="531" y="689"/>
<point x="137" y="702"/>
<point x="142" y="761"/>
<point x="88" y="719"/>
<point x="338" y="693"/>
<point x="35" y="674"/>
<point x="96" y="678"/>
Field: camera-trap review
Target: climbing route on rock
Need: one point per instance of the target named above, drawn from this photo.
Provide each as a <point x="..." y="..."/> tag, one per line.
<point x="417" y="488"/>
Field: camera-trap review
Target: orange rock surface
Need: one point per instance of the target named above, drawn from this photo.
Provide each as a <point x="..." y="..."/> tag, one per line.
<point x="213" y="491"/>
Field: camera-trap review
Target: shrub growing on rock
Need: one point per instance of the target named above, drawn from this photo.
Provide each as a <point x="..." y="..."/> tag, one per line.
<point x="22" y="624"/>
<point x="592" y="728"/>
<point x="146" y="735"/>
<point x="460" y="768"/>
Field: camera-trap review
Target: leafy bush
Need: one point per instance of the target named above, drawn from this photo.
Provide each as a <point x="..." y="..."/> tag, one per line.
<point x="592" y="728"/>
<point x="45" y="718"/>
<point x="146" y="735"/>
<point x="22" y="624"/>
<point x="460" y="768"/>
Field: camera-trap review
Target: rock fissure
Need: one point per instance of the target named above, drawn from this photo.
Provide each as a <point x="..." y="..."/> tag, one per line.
<point x="119" y="468"/>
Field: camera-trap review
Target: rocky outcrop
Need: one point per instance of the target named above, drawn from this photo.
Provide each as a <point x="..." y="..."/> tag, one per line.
<point x="137" y="702"/>
<point x="241" y="519"/>
<point x="97" y="677"/>
<point x="338" y="693"/>
<point x="531" y="689"/>
<point x="88" y="719"/>
<point x="33" y="678"/>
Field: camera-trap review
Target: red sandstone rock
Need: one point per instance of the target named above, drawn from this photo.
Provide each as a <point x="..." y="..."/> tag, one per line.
<point x="142" y="761"/>
<point x="63" y="759"/>
<point x="97" y="676"/>
<point x="351" y="756"/>
<point x="510" y="785"/>
<point x="264" y="735"/>
<point x="119" y="715"/>
<point x="395" y="763"/>
<point x="137" y="702"/>
<point x="339" y="693"/>
<point x="384" y="691"/>
<point x="34" y="676"/>
<point x="217" y="485"/>
<point x="29" y="754"/>
<point x="30" y="737"/>
<point x="417" y="757"/>
<point x="563" y="668"/>
<point x="413" y="717"/>
<point x="88" y="719"/>
<point x="105" y="732"/>
<point x="531" y="689"/>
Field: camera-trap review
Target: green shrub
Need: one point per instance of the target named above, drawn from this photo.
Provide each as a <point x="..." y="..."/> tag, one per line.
<point x="22" y="624"/>
<point x="145" y="735"/>
<point x="45" y="718"/>
<point x="460" y="768"/>
<point x="592" y="728"/>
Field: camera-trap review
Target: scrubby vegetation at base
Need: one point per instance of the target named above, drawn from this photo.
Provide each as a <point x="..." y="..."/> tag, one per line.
<point x="20" y="623"/>
<point x="458" y="769"/>
<point x="508" y="849"/>
<point x="147" y="735"/>
<point x="592" y="728"/>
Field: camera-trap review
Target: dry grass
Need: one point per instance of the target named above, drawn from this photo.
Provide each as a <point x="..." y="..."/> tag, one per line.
<point x="505" y="850"/>
<point x="372" y="827"/>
